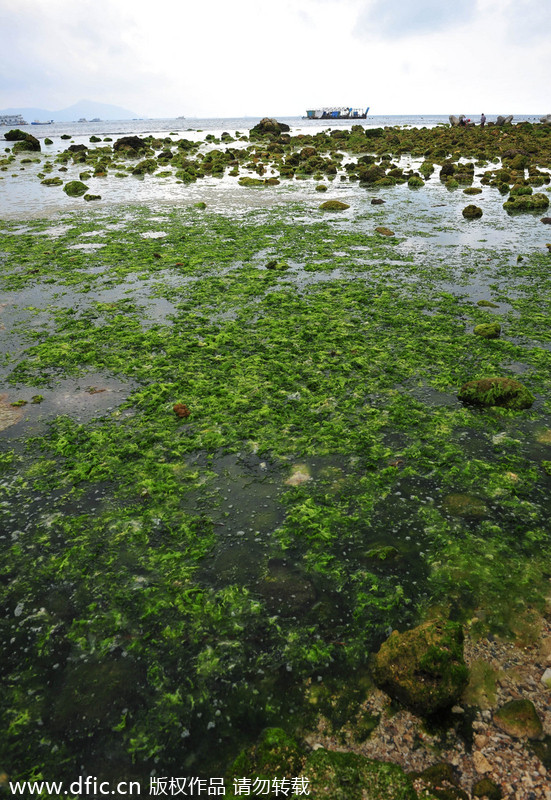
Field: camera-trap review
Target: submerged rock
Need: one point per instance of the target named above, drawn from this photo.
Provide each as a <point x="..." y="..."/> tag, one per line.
<point x="503" y="392"/>
<point x="424" y="667"/>
<point x="384" y="231"/>
<point x="275" y="753"/>
<point x="464" y="505"/>
<point x="519" y="718"/>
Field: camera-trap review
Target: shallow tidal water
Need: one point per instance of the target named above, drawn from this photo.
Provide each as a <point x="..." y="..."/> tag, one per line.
<point x="171" y="583"/>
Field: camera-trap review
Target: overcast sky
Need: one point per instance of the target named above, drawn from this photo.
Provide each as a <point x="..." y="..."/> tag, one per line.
<point x="227" y="58"/>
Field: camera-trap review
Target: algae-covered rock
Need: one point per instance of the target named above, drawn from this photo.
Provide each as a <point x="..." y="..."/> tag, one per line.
<point x="423" y="668"/>
<point x="52" y="182"/>
<point x="533" y="202"/>
<point x="487" y="304"/>
<point x="334" y="205"/>
<point x="321" y="187"/>
<point x="488" y="330"/>
<point x="348" y="776"/>
<point x="487" y="788"/>
<point x="89" y="197"/>
<point x="472" y="212"/>
<point x="277" y="265"/>
<point x="47" y="140"/>
<point x="519" y="718"/>
<point x="383" y="553"/>
<point x="382" y="231"/>
<point x="472" y="190"/>
<point x="503" y="392"/>
<point x="129" y="145"/>
<point x="276" y="754"/>
<point x="415" y="182"/>
<point x="75" y="188"/>
<point x="269" y="125"/>
<point x="26" y="141"/>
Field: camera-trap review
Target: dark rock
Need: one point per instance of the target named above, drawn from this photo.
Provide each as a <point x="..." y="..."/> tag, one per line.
<point x="77" y="148"/>
<point x="487" y="788"/>
<point x="377" y="201"/>
<point x="129" y="143"/>
<point x="546" y="220"/>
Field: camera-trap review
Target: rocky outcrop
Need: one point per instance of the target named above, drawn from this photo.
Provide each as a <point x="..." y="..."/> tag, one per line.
<point x="455" y="121"/>
<point x="546" y="120"/>
<point x="26" y="141"/>
<point x="129" y="145"/>
<point x="269" y="125"/>
<point x="504" y="120"/>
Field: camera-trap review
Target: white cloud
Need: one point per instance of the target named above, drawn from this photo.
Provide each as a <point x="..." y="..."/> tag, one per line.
<point x="255" y="57"/>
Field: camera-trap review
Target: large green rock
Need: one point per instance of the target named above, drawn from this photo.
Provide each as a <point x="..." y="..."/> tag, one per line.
<point x="488" y="330"/>
<point x="504" y="392"/>
<point x="519" y="718"/>
<point x="75" y="188"/>
<point x="423" y="668"/>
<point x="523" y="202"/>
<point x="348" y="776"/>
<point x="334" y="205"/>
<point x="472" y="212"/>
<point x="26" y="141"/>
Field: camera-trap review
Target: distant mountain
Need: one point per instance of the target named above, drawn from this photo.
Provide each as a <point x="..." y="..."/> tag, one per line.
<point x="84" y="108"/>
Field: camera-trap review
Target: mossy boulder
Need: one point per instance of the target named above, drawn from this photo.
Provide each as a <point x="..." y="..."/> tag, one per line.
<point x="415" y="182"/>
<point x="533" y="202"/>
<point x="488" y="330"/>
<point x="423" y="668"/>
<point x="130" y="145"/>
<point x="503" y="392"/>
<point x="75" y="188"/>
<point x="472" y="212"/>
<point x="348" y="776"/>
<point x="275" y="754"/>
<point x="52" y="182"/>
<point x="25" y="141"/>
<point x="520" y="719"/>
<point x="382" y="553"/>
<point x="89" y="197"/>
<point x="334" y="205"/>
<point x="47" y="140"/>
<point x="269" y="125"/>
<point x="382" y="231"/>
<point x="472" y="190"/>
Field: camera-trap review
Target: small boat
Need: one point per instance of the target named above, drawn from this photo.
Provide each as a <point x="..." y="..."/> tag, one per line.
<point x="12" y="119"/>
<point x="343" y="112"/>
<point x="37" y="122"/>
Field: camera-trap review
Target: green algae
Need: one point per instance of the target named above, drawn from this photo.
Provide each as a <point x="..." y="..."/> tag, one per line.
<point x="333" y="364"/>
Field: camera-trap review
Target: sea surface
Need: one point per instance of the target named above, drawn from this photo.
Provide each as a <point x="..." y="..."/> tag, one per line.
<point x="23" y="197"/>
<point x="243" y="124"/>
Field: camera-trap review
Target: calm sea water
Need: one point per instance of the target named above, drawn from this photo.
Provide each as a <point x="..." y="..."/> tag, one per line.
<point x="232" y="124"/>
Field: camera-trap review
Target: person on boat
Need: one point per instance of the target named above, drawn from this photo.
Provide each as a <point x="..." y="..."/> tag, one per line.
<point x="482" y="119"/>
